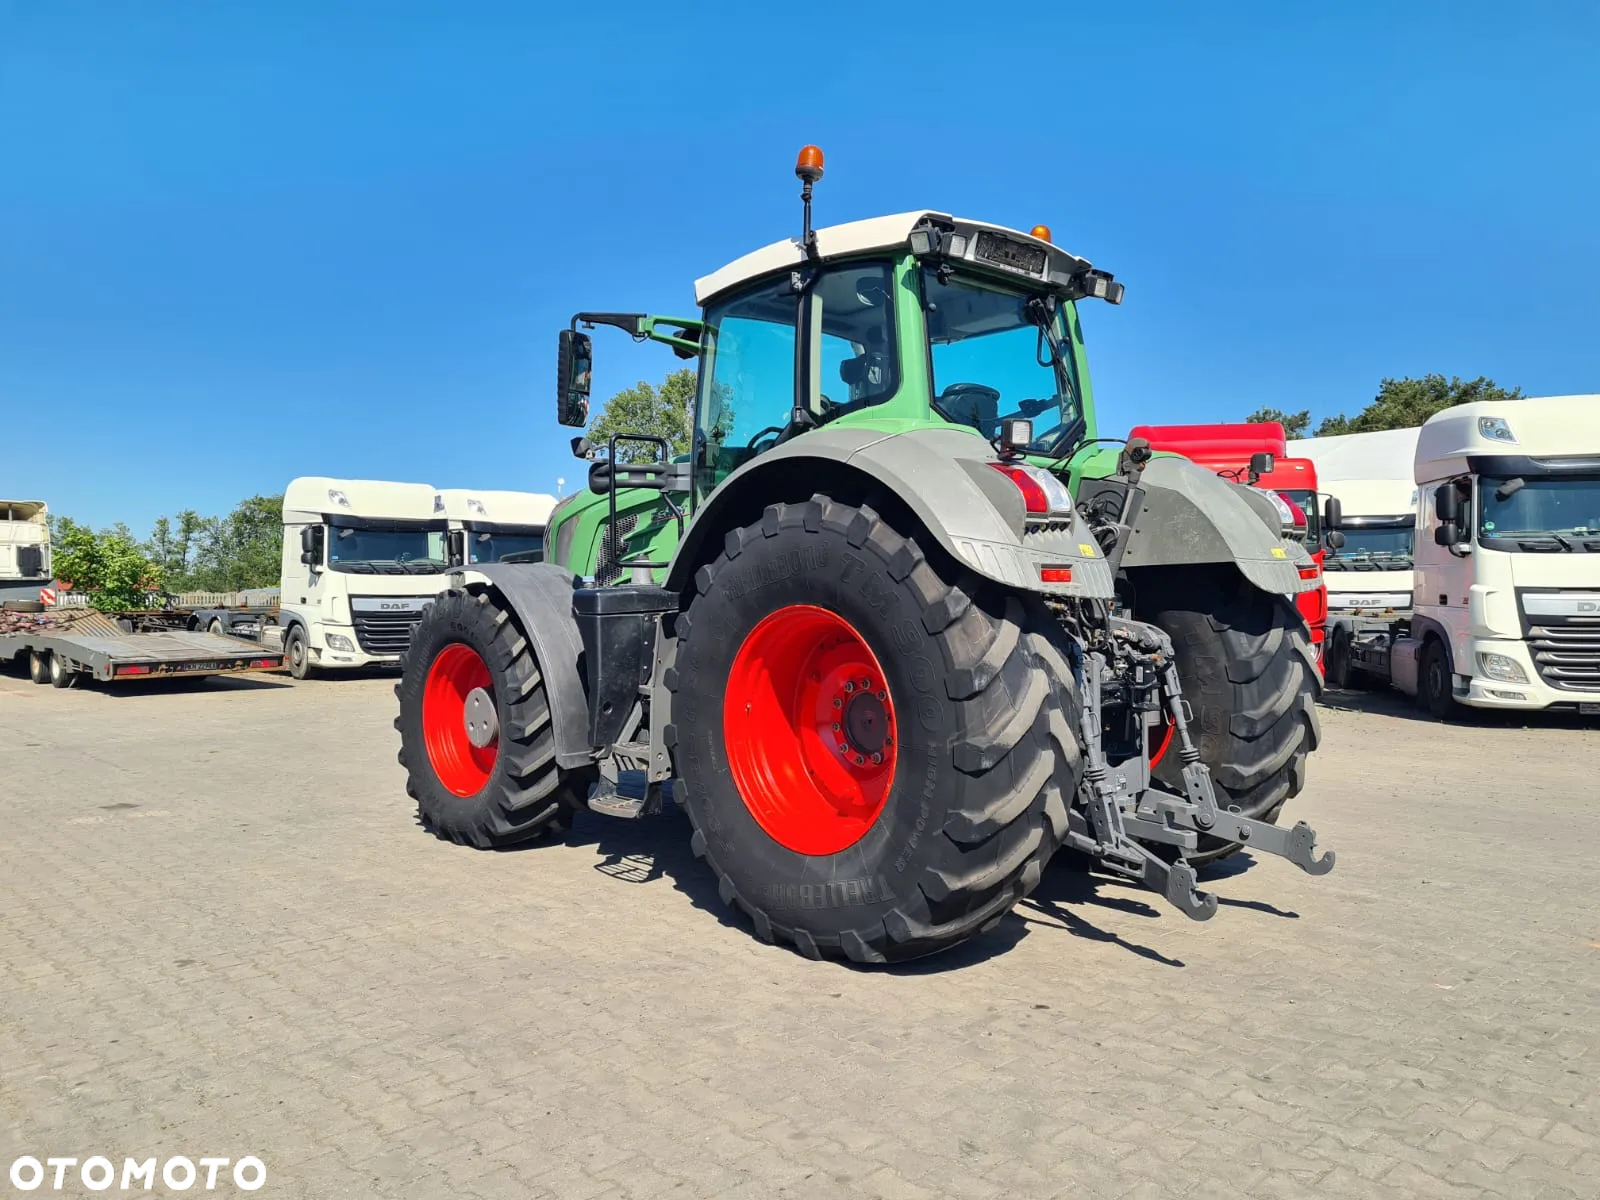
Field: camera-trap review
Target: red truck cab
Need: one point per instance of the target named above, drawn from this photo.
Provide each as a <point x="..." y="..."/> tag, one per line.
<point x="1226" y="449"/>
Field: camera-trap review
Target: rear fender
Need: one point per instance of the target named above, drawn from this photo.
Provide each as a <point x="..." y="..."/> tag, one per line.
<point x="539" y="596"/>
<point x="943" y="480"/>
<point x="1192" y="516"/>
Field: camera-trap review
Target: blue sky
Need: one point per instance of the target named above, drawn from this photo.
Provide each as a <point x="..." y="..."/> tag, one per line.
<point x="242" y="242"/>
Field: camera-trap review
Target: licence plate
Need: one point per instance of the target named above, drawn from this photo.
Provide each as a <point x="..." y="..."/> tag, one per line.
<point x="1589" y="710"/>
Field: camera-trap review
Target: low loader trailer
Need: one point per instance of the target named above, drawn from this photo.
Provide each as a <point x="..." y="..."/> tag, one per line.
<point x="63" y="646"/>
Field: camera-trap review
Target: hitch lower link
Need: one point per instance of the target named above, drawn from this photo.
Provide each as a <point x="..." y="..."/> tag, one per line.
<point x="1125" y="809"/>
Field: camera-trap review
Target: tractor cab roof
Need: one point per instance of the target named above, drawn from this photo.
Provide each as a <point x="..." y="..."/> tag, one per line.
<point x="894" y="232"/>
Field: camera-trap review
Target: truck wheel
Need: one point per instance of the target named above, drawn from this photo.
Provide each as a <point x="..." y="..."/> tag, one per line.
<point x="1248" y="673"/>
<point x="297" y="652"/>
<point x="217" y="628"/>
<point x="1434" y="696"/>
<point x="476" y="738"/>
<point x="1337" y="660"/>
<point x="39" y="666"/>
<point x="61" y="675"/>
<point x="876" y="750"/>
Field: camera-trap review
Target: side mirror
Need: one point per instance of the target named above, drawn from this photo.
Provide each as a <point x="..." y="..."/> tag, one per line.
<point x="311" y="546"/>
<point x="1333" y="538"/>
<point x="1333" y="515"/>
<point x="1446" y="534"/>
<point x="574" y="361"/>
<point x="456" y="547"/>
<point x="1261" y="463"/>
<point x="1447" y="506"/>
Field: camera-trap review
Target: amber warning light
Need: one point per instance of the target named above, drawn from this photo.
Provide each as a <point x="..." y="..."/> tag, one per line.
<point x="1042" y="232"/>
<point x="809" y="165"/>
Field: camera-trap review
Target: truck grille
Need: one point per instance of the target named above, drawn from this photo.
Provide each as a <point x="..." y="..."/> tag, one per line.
<point x="612" y="547"/>
<point x="1567" y="655"/>
<point x="385" y="632"/>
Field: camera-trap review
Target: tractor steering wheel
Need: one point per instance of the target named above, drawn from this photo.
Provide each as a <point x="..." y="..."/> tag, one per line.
<point x="770" y="429"/>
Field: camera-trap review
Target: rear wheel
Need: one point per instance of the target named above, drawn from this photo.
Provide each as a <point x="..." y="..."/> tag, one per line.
<point x="1249" y="675"/>
<point x="217" y="627"/>
<point x="39" y="666"/>
<point x="875" y="750"/>
<point x="61" y="674"/>
<point x="475" y="733"/>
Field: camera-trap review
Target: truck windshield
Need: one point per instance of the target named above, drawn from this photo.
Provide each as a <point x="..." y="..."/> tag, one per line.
<point x="1539" y="513"/>
<point x="495" y="545"/>
<point x="386" y="548"/>
<point x="996" y="354"/>
<point x="1386" y="547"/>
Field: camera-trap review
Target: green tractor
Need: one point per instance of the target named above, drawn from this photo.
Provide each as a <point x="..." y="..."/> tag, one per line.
<point x="898" y="627"/>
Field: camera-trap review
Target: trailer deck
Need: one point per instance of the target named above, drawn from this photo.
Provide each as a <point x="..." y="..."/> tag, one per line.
<point x="68" y="643"/>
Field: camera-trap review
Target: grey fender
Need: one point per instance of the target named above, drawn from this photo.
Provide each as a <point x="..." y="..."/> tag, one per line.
<point x="1191" y="516"/>
<point x="942" y="476"/>
<point x="540" y="597"/>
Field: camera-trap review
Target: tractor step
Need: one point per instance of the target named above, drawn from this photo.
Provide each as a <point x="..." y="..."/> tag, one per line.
<point x="628" y="797"/>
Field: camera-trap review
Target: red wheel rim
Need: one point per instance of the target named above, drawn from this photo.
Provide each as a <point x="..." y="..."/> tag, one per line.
<point x="456" y="673"/>
<point x="810" y="730"/>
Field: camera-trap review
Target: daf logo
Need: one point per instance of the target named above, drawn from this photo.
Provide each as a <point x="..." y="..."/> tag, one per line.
<point x="1588" y="606"/>
<point x="386" y="604"/>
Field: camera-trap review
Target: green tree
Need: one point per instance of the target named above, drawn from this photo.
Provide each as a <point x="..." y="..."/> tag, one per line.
<point x="1294" y="424"/>
<point x="667" y="412"/>
<point x="1405" y="403"/>
<point x="242" y="550"/>
<point x="174" y="544"/>
<point x="110" y="565"/>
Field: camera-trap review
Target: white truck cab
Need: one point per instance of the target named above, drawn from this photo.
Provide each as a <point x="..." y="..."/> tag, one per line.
<point x="24" y="549"/>
<point x="494" y="526"/>
<point x="1372" y="571"/>
<point x="362" y="558"/>
<point x="1506" y="611"/>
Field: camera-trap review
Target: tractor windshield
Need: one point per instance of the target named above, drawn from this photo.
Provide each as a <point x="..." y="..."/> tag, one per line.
<point x="998" y="353"/>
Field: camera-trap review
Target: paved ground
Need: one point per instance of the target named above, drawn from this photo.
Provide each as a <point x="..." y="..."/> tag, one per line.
<point x="221" y="934"/>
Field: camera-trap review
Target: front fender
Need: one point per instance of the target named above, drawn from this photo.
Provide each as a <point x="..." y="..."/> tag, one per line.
<point x="942" y="475"/>
<point x="539" y="595"/>
<point x="1191" y="515"/>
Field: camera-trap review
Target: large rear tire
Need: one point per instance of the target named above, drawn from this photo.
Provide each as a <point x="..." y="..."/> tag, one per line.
<point x="820" y="638"/>
<point x="1251" y="680"/>
<point x="475" y="733"/>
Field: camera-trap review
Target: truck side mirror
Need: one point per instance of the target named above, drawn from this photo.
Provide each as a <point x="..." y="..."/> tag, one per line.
<point x="1447" y="504"/>
<point x="1333" y="538"/>
<point x="1261" y="463"/>
<point x="574" y="361"/>
<point x="1446" y="533"/>
<point x="457" y="547"/>
<point x="1332" y="515"/>
<point x="311" y="542"/>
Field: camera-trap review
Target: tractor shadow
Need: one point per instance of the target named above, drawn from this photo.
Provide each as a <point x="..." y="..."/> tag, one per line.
<point x="1067" y="899"/>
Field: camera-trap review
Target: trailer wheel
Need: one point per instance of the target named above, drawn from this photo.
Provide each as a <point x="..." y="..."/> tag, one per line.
<point x="1434" y="695"/>
<point x="1249" y="675"/>
<point x="876" y="750"/>
<point x="39" y="666"/>
<point x="476" y="738"/>
<point x="216" y="627"/>
<point x="297" y="652"/>
<point x="61" y="674"/>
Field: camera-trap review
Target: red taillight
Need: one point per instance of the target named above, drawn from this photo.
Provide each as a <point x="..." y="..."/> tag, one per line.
<point x="1308" y="572"/>
<point x="1055" y="574"/>
<point x="266" y="662"/>
<point x="133" y="670"/>
<point x="1033" y="497"/>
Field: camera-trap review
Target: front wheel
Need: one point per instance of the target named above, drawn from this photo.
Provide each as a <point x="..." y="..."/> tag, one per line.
<point x="476" y="738"/>
<point x="876" y="751"/>
<point x="1434" y="695"/>
<point x="61" y="674"/>
<point x="297" y="652"/>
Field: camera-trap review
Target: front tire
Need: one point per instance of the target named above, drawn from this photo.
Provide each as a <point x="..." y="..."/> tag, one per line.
<point x="476" y="737"/>
<point x="1249" y="675"/>
<point x="821" y="637"/>
<point x="1434" y="695"/>
<point x="297" y="652"/>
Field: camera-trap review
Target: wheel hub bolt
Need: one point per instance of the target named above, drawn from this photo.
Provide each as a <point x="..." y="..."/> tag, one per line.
<point x="836" y="727"/>
<point x="849" y="687"/>
<point x="837" y="703"/>
<point x="877" y="756"/>
<point x="860" y="761"/>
